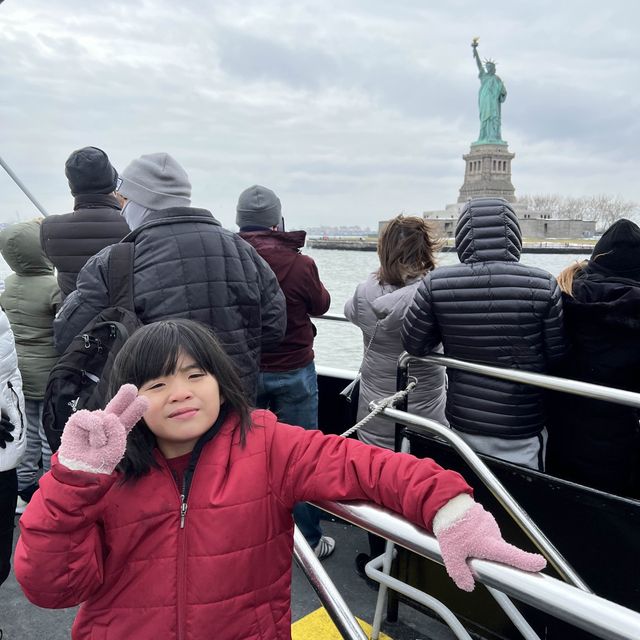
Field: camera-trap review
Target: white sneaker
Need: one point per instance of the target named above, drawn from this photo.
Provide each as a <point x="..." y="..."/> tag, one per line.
<point x="325" y="547"/>
<point x="21" y="505"/>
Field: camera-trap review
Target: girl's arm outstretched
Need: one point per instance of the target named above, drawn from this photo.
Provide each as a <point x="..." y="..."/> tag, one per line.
<point x="305" y="465"/>
<point x="60" y="554"/>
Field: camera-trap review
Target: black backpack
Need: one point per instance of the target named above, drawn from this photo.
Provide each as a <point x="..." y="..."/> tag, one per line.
<point x="80" y="378"/>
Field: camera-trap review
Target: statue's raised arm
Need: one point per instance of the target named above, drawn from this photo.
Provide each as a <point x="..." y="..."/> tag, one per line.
<point x="490" y="97"/>
<point x="474" y="46"/>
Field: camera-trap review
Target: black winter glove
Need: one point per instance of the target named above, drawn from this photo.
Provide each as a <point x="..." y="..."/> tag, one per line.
<point x="6" y="427"/>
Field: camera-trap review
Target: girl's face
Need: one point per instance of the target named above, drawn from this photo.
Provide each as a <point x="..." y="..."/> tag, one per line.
<point x="182" y="406"/>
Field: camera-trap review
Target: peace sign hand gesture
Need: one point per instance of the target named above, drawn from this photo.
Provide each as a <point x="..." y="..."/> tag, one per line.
<point x="95" y="441"/>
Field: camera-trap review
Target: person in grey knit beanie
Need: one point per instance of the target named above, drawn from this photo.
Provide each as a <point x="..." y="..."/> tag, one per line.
<point x="152" y="182"/>
<point x="258" y="207"/>
<point x="156" y="181"/>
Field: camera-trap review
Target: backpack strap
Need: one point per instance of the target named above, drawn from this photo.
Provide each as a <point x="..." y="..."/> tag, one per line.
<point x="121" y="275"/>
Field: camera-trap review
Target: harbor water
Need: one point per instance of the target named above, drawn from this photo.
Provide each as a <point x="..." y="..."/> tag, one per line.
<point x="339" y="344"/>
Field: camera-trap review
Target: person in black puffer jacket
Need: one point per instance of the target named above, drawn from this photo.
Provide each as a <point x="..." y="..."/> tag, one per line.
<point x="593" y="442"/>
<point x="493" y="310"/>
<point x="69" y="240"/>
<point x="185" y="266"/>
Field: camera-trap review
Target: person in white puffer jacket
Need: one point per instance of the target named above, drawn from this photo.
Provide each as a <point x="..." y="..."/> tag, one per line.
<point x="13" y="439"/>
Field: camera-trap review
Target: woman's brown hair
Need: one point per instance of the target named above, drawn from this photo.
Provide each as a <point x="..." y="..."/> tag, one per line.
<point x="406" y="249"/>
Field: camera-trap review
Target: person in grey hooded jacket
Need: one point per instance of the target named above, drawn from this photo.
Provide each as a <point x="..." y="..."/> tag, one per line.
<point x="30" y="299"/>
<point x="493" y="310"/>
<point x="185" y="266"/>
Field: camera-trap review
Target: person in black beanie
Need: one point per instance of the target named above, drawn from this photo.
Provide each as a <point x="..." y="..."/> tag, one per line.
<point x="593" y="442"/>
<point x="88" y="170"/>
<point x="617" y="253"/>
<point x="69" y="240"/>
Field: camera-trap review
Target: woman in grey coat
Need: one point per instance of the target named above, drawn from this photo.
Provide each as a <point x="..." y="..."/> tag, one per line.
<point x="406" y="253"/>
<point x="378" y="306"/>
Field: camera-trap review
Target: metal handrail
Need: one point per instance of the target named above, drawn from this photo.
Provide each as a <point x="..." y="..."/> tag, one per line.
<point x="582" y="609"/>
<point x="576" y="387"/>
<point x="23" y="187"/>
<point x="555" y="383"/>
<point x="329" y="595"/>
<point x="332" y="316"/>
<point x="520" y="516"/>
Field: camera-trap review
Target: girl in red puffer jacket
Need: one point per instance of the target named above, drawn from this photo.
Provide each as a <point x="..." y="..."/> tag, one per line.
<point x="168" y="514"/>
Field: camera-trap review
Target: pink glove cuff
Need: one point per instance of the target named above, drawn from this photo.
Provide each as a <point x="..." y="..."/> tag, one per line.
<point x="451" y="512"/>
<point x="78" y="465"/>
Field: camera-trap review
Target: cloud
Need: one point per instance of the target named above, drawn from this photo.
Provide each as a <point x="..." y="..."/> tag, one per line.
<point x="350" y="111"/>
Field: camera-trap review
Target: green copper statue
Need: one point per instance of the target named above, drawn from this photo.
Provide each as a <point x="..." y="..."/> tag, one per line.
<point x="491" y="95"/>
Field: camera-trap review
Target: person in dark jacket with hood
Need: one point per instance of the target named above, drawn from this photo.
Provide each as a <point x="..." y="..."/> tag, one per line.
<point x="287" y="384"/>
<point x="493" y="310"/>
<point x="69" y="240"/>
<point x="592" y="442"/>
<point x="185" y="266"/>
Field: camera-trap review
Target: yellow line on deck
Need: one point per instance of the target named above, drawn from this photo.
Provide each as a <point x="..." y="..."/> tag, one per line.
<point x="317" y="625"/>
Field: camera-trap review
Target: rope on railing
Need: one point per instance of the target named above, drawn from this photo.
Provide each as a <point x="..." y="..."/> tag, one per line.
<point x="381" y="405"/>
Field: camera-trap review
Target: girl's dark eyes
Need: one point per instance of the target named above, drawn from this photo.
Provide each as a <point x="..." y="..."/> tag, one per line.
<point x="158" y="385"/>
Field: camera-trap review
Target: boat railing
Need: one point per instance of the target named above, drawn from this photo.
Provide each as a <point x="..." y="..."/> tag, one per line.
<point x="608" y="627"/>
<point x="569" y="601"/>
<point x="336" y="317"/>
<point x="554" y="383"/>
<point x="601" y="617"/>
<point x="517" y="513"/>
<point x="434" y="428"/>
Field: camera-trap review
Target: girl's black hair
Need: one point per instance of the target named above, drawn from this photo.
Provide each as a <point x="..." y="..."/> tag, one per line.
<point x="152" y="352"/>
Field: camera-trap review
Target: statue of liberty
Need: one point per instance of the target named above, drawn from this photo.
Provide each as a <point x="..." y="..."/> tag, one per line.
<point x="491" y="95"/>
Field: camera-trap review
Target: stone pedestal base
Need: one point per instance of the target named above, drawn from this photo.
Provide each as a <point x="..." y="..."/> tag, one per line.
<point x="488" y="173"/>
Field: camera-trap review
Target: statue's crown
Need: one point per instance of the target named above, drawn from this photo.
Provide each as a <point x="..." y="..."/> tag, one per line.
<point x="490" y="61"/>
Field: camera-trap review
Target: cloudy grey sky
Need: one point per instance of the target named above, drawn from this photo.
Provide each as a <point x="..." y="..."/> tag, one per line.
<point x="352" y="111"/>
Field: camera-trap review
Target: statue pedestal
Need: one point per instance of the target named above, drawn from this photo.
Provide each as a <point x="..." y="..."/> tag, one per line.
<point x="488" y="172"/>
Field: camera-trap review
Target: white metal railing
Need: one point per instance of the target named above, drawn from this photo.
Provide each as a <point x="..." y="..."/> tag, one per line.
<point x="327" y="591"/>
<point x="595" y="614"/>
<point x="519" y="515"/>
<point x="587" y="611"/>
<point x="554" y="383"/>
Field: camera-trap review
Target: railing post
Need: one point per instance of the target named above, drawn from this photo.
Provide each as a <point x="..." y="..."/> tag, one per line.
<point x="329" y="595"/>
<point x="24" y="189"/>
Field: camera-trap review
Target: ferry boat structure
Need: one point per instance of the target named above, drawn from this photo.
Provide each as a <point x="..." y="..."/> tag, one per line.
<point x="591" y="539"/>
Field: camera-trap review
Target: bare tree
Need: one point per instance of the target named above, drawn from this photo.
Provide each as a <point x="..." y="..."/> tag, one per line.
<point x="604" y="209"/>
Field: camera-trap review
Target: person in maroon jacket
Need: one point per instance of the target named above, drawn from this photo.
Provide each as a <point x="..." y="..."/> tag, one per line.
<point x="287" y="383"/>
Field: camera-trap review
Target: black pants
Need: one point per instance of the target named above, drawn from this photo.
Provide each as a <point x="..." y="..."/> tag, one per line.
<point x="8" y="497"/>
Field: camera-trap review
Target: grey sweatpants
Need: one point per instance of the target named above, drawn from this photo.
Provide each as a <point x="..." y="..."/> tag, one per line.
<point x="527" y="452"/>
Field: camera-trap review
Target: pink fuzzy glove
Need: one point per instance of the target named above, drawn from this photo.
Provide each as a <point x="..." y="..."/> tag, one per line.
<point x="465" y="530"/>
<point x="95" y="441"/>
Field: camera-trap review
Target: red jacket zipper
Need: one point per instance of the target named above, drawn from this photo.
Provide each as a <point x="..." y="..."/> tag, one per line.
<point x="181" y="603"/>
